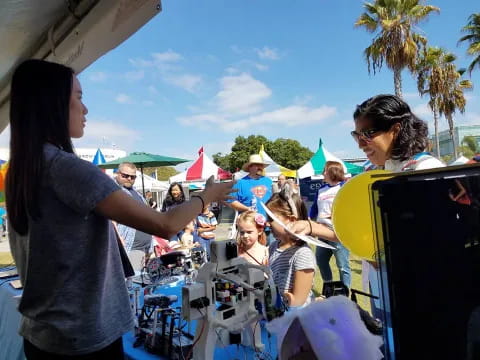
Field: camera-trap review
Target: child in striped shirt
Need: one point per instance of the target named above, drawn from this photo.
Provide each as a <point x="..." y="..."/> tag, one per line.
<point x="291" y="260"/>
<point x="206" y="224"/>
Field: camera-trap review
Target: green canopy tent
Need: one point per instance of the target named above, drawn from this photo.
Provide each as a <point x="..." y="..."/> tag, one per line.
<point x="316" y="164"/>
<point x="142" y="159"/>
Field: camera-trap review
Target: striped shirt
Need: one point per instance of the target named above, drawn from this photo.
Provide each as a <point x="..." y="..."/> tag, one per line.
<point x="206" y="220"/>
<point x="284" y="264"/>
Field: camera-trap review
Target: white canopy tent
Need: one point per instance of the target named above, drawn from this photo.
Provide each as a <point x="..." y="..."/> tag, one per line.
<point x="460" y="161"/>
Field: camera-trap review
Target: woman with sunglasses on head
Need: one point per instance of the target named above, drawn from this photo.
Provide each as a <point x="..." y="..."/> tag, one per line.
<point x="75" y="302"/>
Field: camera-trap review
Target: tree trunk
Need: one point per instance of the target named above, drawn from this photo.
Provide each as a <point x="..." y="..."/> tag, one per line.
<point x="437" y="140"/>
<point x="450" y="129"/>
<point x="397" y="81"/>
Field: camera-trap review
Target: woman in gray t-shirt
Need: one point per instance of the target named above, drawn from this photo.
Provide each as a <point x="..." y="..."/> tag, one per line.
<point x="74" y="301"/>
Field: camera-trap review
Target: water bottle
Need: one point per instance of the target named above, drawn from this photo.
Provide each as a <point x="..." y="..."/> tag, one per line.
<point x="254" y="203"/>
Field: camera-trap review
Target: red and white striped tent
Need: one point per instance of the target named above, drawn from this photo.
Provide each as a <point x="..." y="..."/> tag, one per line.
<point x="201" y="170"/>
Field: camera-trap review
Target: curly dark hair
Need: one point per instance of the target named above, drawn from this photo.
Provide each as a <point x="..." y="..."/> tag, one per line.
<point x="384" y="111"/>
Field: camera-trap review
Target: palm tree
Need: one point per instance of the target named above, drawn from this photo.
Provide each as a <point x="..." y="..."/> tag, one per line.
<point x="396" y="43"/>
<point x="473" y="38"/>
<point x="431" y="81"/>
<point x="452" y="97"/>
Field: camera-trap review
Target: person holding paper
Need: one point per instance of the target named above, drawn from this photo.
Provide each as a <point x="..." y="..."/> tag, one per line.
<point x="334" y="178"/>
<point x="291" y="259"/>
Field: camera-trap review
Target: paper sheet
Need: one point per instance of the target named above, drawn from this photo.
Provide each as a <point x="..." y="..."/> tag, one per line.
<point x="306" y="238"/>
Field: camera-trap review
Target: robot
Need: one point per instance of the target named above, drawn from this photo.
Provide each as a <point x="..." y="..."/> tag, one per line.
<point x="228" y="299"/>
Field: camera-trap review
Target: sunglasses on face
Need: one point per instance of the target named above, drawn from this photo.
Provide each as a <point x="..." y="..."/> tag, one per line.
<point x="126" y="176"/>
<point x="365" y="135"/>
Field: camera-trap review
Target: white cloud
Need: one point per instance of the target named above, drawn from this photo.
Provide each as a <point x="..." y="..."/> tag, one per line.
<point x="124" y="99"/>
<point x="261" y="67"/>
<point x="202" y="120"/>
<point x="294" y="115"/>
<point x="411" y="95"/>
<point x="422" y="110"/>
<point x="236" y="49"/>
<point x="186" y="81"/>
<point x="141" y="63"/>
<point x="347" y="124"/>
<point x="232" y="70"/>
<point x="267" y="53"/>
<point x="213" y="148"/>
<point x="135" y="75"/>
<point x="167" y="56"/>
<point x="241" y="94"/>
<point x="97" y="131"/>
<point x="153" y="90"/>
<point x="98" y="76"/>
<point x="288" y="116"/>
<point x="302" y="100"/>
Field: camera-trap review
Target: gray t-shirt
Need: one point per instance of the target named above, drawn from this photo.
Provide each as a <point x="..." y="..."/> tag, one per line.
<point x="284" y="264"/>
<point x="75" y="299"/>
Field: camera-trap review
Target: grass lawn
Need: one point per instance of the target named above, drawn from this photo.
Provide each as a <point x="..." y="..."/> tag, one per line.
<point x="356" y="267"/>
<point x="5" y="259"/>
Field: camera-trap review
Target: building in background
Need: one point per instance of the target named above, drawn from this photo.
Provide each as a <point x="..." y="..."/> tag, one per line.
<point x="446" y="145"/>
<point x="84" y="153"/>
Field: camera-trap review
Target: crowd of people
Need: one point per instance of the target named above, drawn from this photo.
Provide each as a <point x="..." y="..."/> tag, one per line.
<point x="70" y="222"/>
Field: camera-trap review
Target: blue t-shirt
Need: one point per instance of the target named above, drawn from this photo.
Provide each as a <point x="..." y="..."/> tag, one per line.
<point x="248" y="189"/>
<point x="2" y="212"/>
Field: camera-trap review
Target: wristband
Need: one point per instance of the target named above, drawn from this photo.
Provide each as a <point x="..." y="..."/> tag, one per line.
<point x="201" y="199"/>
<point x="311" y="230"/>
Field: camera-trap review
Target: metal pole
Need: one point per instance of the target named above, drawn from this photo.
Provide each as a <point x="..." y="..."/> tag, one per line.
<point x="143" y="184"/>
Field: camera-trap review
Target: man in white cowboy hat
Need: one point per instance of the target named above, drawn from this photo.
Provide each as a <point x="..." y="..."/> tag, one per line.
<point x="253" y="187"/>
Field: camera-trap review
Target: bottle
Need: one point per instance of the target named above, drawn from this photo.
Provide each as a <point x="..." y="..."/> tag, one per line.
<point x="253" y="207"/>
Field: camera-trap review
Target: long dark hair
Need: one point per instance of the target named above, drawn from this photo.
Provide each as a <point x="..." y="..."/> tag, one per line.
<point x="384" y="111"/>
<point x="39" y="113"/>
<point x="170" y="200"/>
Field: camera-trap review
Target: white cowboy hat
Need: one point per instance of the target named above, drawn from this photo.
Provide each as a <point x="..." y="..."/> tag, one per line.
<point x="254" y="159"/>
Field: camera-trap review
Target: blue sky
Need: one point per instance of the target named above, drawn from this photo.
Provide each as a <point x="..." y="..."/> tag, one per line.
<point x="201" y="73"/>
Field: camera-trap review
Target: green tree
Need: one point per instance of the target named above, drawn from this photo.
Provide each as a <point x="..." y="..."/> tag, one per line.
<point x="286" y="152"/>
<point x="452" y="98"/>
<point x="163" y="172"/>
<point x="469" y="146"/>
<point x="431" y="80"/>
<point x="395" y="42"/>
<point x="473" y="38"/>
<point x="241" y="150"/>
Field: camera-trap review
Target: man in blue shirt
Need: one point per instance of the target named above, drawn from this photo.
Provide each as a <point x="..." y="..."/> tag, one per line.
<point x="3" y="215"/>
<point x="253" y="187"/>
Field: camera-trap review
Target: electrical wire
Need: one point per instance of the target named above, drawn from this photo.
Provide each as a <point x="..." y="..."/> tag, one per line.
<point x="199" y="335"/>
<point x="254" y="343"/>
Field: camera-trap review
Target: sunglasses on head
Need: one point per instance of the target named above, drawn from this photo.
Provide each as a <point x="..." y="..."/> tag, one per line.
<point x="365" y="135"/>
<point x="126" y="176"/>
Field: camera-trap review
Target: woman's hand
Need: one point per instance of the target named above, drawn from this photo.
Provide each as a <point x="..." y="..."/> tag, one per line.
<point x="309" y="227"/>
